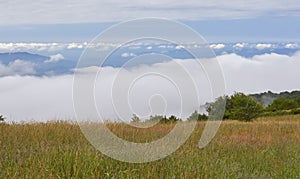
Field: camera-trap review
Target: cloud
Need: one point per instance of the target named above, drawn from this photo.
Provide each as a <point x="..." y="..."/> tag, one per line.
<point x="217" y="46"/>
<point x="239" y="45"/>
<point x="58" y="47"/>
<point x="45" y="98"/>
<point x="162" y="46"/>
<point x="36" y="98"/>
<point x="24" y="12"/>
<point x="292" y="46"/>
<point x="51" y="47"/>
<point x="55" y="58"/>
<point x="75" y="45"/>
<point x="260" y="73"/>
<point x="263" y="46"/>
<point x="17" y="67"/>
<point x="125" y="55"/>
<point x="31" y="46"/>
<point x="178" y="47"/>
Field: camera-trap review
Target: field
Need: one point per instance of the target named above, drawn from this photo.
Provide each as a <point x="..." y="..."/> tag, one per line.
<point x="266" y="148"/>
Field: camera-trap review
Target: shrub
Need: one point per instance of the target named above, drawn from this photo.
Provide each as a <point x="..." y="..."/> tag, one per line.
<point x="238" y="107"/>
<point x="196" y="116"/>
<point x="135" y="118"/>
<point x="2" y="118"/>
<point x="283" y="104"/>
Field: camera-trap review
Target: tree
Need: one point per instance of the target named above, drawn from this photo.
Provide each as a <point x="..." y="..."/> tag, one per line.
<point x="243" y="107"/>
<point x="173" y="118"/>
<point x="196" y="116"/>
<point x="298" y="102"/>
<point x="238" y="107"/>
<point x="283" y="104"/>
<point x="216" y="110"/>
<point x="2" y="118"/>
<point x="135" y="118"/>
<point x="156" y="118"/>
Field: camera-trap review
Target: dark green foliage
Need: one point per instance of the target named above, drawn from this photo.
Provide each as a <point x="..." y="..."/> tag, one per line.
<point x="196" y="116"/>
<point x="268" y="97"/>
<point x="238" y="107"/>
<point x="2" y="118"/>
<point x="295" y="111"/>
<point x="135" y="118"/>
<point x="172" y="118"/>
<point x="243" y="107"/>
<point x="156" y="118"/>
<point x="164" y="119"/>
<point x="282" y="104"/>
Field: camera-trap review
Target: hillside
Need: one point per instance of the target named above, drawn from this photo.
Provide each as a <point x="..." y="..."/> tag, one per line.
<point x="268" y="97"/>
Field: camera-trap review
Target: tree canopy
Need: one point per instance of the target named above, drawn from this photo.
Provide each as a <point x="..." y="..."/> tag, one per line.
<point x="238" y="107"/>
<point x="2" y="118"/>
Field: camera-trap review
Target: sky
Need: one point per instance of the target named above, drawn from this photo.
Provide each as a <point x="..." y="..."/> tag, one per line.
<point x="256" y="43"/>
<point x="217" y="21"/>
<point x="262" y="29"/>
<point x="77" y="11"/>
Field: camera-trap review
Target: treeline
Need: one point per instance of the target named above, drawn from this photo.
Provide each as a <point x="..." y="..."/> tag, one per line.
<point x="267" y="98"/>
<point x="242" y="107"/>
<point x="246" y="107"/>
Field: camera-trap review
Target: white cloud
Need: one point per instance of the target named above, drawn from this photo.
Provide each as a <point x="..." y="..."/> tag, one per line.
<point x="149" y="47"/>
<point x="261" y="73"/>
<point x="17" y="67"/>
<point x="34" y="98"/>
<point x="31" y="46"/>
<point x="263" y="46"/>
<point x="217" y="46"/>
<point x="239" y="45"/>
<point x="125" y="55"/>
<point x="51" y="47"/>
<point x="178" y="47"/>
<point x="51" y="97"/>
<point x="291" y="46"/>
<point x="24" y="12"/>
<point x="75" y="45"/>
<point x="162" y="46"/>
<point x="55" y="58"/>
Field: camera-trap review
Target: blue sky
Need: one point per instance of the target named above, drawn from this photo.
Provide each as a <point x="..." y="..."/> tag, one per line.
<point x="262" y="29"/>
<point x="216" y="20"/>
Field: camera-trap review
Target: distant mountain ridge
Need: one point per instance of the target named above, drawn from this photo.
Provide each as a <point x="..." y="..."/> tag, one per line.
<point x="40" y="66"/>
<point x="6" y="58"/>
<point x="267" y="98"/>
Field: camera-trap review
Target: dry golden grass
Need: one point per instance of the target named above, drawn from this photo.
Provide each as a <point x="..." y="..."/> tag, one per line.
<point x="266" y="148"/>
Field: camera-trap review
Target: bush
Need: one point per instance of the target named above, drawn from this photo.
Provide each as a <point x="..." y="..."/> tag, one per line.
<point x="155" y="118"/>
<point x="283" y="104"/>
<point x="2" y="118"/>
<point x="243" y="107"/>
<point x="295" y="111"/>
<point x="172" y="118"/>
<point x="196" y="116"/>
<point x="238" y="107"/>
<point x="135" y="118"/>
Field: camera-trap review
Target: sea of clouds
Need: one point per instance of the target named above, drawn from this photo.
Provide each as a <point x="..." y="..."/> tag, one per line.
<point x="32" y="98"/>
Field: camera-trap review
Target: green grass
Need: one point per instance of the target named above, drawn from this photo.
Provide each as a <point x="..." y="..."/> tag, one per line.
<point x="266" y="148"/>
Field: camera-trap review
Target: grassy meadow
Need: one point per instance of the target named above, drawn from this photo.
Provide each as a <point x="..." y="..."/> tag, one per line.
<point x="269" y="147"/>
